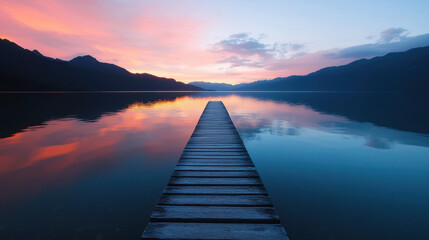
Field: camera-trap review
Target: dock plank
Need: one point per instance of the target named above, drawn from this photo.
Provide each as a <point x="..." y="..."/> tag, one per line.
<point x="242" y="231"/>
<point x="215" y="181"/>
<point x="214" y="146"/>
<point x="221" y="174"/>
<point x="217" y="163"/>
<point x="214" y="214"/>
<point x="214" y="168"/>
<point x="216" y="190"/>
<point x="217" y="200"/>
<point x="216" y="158"/>
<point x="190" y="150"/>
<point x="212" y="153"/>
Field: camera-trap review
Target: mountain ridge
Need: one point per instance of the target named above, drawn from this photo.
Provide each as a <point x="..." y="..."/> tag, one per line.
<point x="25" y="70"/>
<point x="91" y="63"/>
<point x="396" y="71"/>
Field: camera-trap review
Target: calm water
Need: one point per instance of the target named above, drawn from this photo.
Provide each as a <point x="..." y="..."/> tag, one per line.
<point x="93" y="165"/>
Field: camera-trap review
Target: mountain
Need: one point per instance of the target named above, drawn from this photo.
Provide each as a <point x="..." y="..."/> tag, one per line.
<point x="218" y="86"/>
<point x="90" y="63"/>
<point x="404" y="71"/>
<point x="213" y="86"/>
<point x="25" y="70"/>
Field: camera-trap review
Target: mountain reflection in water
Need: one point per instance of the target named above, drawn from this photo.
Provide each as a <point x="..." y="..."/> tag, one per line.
<point x="93" y="165"/>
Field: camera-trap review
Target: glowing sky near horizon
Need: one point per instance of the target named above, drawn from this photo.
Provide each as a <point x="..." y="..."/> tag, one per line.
<point x="218" y="41"/>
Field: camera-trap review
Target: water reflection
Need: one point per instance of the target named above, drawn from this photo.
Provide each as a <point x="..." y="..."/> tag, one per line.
<point x="92" y="165"/>
<point x="65" y="149"/>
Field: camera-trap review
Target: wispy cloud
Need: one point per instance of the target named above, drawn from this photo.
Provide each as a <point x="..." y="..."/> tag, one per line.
<point x="392" y="34"/>
<point x="245" y="50"/>
<point x="242" y="44"/>
<point x="390" y="40"/>
<point x="235" y="61"/>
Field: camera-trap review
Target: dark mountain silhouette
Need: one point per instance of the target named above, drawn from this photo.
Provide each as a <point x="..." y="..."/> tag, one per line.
<point x="38" y="53"/>
<point x="217" y="86"/>
<point x="25" y="70"/>
<point x="213" y="86"/>
<point x="404" y="71"/>
<point x="90" y="63"/>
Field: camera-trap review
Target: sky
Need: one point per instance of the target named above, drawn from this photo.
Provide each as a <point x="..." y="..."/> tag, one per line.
<point x="230" y="41"/>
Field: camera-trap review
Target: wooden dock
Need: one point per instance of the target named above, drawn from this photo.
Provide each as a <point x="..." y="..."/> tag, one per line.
<point x="215" y="191"/>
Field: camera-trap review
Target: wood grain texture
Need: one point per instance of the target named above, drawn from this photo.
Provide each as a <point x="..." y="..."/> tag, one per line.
<point x="216" y="190"/>
<point x="214" y="214"/>
<point x="184" y="181"/>
<point x="242" y="231"/>
<point x="216" y="200"/>
<point x="215" y="168"/>
<point x="221" y="174"/>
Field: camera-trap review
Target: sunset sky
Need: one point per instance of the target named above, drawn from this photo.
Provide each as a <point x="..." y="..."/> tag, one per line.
<point x="217" y="41"/>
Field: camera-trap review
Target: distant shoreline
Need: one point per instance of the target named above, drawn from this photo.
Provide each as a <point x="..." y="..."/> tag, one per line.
<point x="212" y="91"/>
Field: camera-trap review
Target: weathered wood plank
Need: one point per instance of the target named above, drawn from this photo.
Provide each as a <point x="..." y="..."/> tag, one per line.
<point x="215" y="131"/>
<point x="214" y="153"/>
<point x="218" y="150"/>
<point x="216" y="160"/>
<point x="221" y="174"/>
<point x="242" y="231"/>
<point x="202" y="133"/>
<point x="223" y="163"/>
<point x="175" y="181"/>
<point x="217" y="145"/>
<point x="216" y="190"/>
<point x="214" y="214"/>
<point x="215" y="127"/>
<point x="214" y="147"/>
<point x="219" y="161"/>
<point x="214" y="168"/>
<point x="216" y="141"/>
<point x="211" y="137"/>
<point x="216" y="200"/>
<point x="215" y="157"/>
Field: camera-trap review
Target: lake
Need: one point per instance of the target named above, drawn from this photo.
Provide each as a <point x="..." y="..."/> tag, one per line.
<point x="93" y="165"/>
